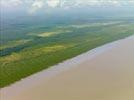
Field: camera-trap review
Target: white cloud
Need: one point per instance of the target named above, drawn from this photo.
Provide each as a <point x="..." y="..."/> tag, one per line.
<point x="38" y="4"/>
<point x="96" y="2"/>
<point x="35" y="5"/>
<point x="69" y="4"/>
<point x="53" y="3"/>
<point x="10" y="3"/>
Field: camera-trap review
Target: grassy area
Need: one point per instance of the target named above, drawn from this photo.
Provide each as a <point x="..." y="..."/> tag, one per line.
<point x="13" y="44"/>
<point x="48" y="47"/>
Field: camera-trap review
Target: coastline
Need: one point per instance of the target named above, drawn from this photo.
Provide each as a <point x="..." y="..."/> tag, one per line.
<point x="54" y="71"/>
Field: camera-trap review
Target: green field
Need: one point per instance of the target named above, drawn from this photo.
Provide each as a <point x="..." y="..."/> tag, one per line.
<point x="24" y="55"/>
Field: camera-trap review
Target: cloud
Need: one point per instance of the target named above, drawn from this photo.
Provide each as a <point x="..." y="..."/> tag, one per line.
<point x="96" y="2"/>
<point x="69" y="4"/>
<point x="53" y="3"/>
<point x="102" y="2"/>
<point x="10" y="3"/>
<point x="38" y="4"/>
<point x="35" y="5"/>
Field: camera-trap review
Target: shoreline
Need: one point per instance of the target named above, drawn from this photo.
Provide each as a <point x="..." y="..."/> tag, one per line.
<point x="51" y="72"/>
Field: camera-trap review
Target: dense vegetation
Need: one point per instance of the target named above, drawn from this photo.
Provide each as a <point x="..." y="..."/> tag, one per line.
<point x="30" y="50"/>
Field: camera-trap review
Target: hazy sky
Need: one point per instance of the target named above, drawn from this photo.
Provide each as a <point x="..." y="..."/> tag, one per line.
<point x="34" y="6"/>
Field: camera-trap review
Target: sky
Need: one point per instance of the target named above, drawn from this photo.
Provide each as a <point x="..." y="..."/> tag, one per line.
<point x="35" y="6"/>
